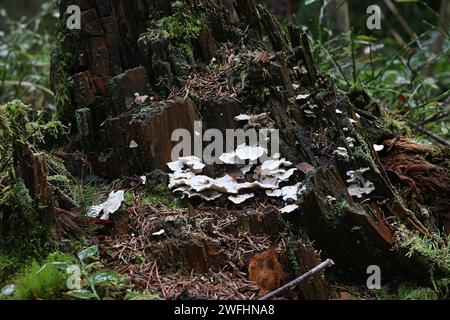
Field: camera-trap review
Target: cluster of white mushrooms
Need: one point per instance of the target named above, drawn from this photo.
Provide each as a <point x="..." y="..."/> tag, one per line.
<point x="253" y="173"/>
<point x="187" y="178"/>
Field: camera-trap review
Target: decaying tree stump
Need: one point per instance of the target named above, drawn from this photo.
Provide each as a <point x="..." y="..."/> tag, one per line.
<point x="164" y="54"/>
<point x="33" y="171"/>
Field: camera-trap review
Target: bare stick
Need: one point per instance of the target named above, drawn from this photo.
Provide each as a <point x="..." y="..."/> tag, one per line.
<point x="402" y="20"/>
<point x="296" y="281"/>
<point x="432" y="135"/>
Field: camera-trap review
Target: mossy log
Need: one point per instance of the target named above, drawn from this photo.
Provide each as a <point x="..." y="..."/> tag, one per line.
<point x="164" y="51"/>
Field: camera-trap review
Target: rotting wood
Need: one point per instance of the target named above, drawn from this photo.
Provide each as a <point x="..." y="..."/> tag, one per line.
<point x="292" y="284"/>
<point x="126" y="58"/>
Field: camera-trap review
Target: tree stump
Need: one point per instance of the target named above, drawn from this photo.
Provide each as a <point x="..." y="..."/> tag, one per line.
<point x="140" y="69"/>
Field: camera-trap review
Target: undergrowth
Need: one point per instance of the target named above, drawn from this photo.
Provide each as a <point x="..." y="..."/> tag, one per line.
<point x="64" y="276"/>
<point x="22" y="234"/>
<point x="432" y="252"/>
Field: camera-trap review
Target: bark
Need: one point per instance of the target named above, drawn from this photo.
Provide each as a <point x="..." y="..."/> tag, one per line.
<point x="115" y="56"/>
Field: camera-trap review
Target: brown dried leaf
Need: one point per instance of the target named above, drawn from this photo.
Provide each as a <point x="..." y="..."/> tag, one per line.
<point x="266" y="271"/>
<point x="304" y="167"/>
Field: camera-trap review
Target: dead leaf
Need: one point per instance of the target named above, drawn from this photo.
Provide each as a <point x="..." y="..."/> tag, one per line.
<point x="304" y="167"/>
<point x="266" y="271"/>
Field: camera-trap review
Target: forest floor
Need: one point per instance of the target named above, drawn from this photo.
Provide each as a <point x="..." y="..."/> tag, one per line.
<point x="155" y="245"/>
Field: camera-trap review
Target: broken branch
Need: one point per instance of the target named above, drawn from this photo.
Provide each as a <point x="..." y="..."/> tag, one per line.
<point x="296" y="281"/>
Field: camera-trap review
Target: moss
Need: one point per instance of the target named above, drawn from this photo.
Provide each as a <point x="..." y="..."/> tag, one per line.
<point x="432" y="253"/>
<point x="407" y="291"/>
<point x="181" y="59"/>
<point x="292" y="257"/>
<point x="396" y="126"/>
<point x="42" y="282"/>
<point x="147" y="112"/>
<point x="9" y="264"/>
<point x="178" y="31"/>
<point x="363" y="153"/>
<point x="62" y="92"/>
<point x="337" y="211"/>
<point x="19" y="212"/>
<point x="180" y="26"/>
<point x="338" y="207"/>
<point x="142" y="113"/>
<point x="412" y="292"/>
<point x="62" y="59"/>
<point x="153" y="198"/>
<point x="83" y="119"/>
<point x="22" y="233"/>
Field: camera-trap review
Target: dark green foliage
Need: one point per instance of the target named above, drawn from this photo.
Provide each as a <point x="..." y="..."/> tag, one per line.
<point x="24" y="64"/>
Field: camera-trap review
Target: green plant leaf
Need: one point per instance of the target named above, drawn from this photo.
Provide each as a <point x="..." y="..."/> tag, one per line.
<point x="87" y="253"/>
<point x="102" y="277"/>
<point x="82" y="294"/>
<point x="60" y="265"/>
<point x="8" y="290"/>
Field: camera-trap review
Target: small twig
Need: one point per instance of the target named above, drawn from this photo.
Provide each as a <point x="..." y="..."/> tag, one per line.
<point x="433" y="135"/>
<point x="295" y="282"/>
<point x="28" y="84"/>
<point x="402" y="20"/>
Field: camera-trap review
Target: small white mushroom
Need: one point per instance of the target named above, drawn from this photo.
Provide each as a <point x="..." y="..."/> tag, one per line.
<point x="251" y="153"/>
<point x="359" y="191"/>
<point x="175" y="166"/>
<point x="242" y="117"/>
<point x="378" y="147"/>
<point x="159" y="233"/>
<point x="228" y="158"/>
<point x="290" y="192"/>
<point x="133" y="144"/>
<point x="274" y="193"/>
<point x="208" y="195"/>
<point x="350" y="142"/>
<point x="246" y="169"/>
<point x="289" y="208"/>
<point x="141" y="99"/>
<point x="302" y="97"/>
<point x="286" y="175"/>
<point x="359" y="186"/>
<point x="341" y="153"/>
<point x="240" y="198"/>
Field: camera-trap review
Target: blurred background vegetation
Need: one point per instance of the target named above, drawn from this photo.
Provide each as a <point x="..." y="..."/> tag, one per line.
<point x="405" y="64"/>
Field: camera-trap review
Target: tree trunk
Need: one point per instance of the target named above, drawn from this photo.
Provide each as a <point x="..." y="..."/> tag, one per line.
<point x="133" y="47"/>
